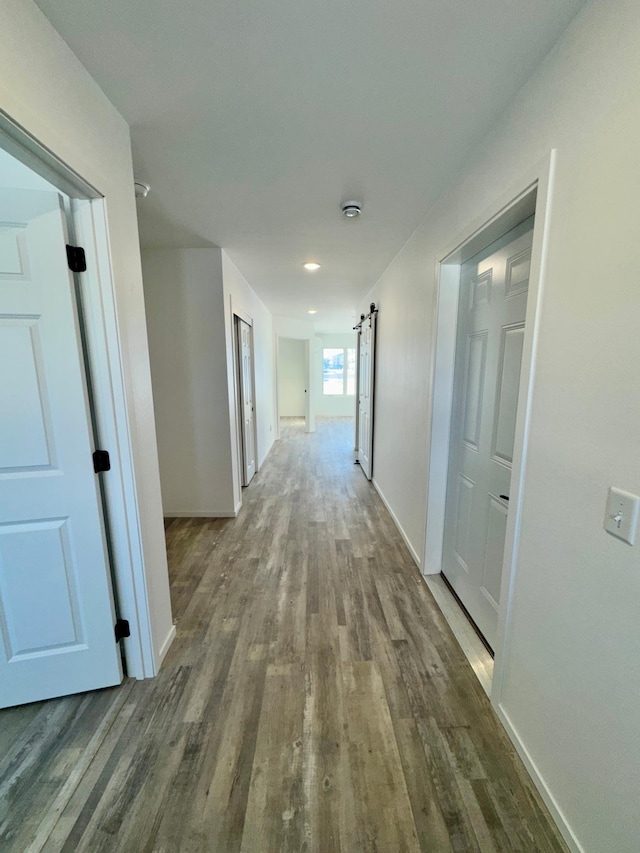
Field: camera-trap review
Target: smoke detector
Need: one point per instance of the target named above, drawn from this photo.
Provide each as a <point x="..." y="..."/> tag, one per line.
<point x="351" y="209"/>
<point x="141" y="189"/>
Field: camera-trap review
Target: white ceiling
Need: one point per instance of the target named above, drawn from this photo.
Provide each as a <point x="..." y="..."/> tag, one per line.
<point x="254" y="120"/>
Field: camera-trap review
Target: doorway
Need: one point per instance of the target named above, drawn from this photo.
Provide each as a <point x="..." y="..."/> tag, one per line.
<point x="293" y="394"/>
<point x="245" y="396"/>
<point x="292" y="378"/>
<point x="57" y="608"/>
<point x="490" y="332"/>
<point x="509" y="210"/>
<point x="365" y="389"/>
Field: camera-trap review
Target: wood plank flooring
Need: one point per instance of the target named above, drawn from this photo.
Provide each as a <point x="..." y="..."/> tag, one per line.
<point x="314" y="699"/>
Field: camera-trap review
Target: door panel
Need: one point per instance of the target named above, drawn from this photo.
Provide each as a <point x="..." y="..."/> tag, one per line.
<point x="245" y="345"/>
<point x="365" y="395"/>
<point x="489" y="342"/>
<point x="463" y="520"/>
<point x="494" y="551"/>
<point x="509" y="385"/>
<point x="24" y="549"/>
<point x="474" y="387"/>
<point x="25" y="437"/>
<point x="56" y="605"/>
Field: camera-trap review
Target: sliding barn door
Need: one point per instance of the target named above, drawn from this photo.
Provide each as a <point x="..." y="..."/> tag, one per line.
<point x="366" y="368"/>
<point x="245" y="363"/>
<point x="56" y="606"/>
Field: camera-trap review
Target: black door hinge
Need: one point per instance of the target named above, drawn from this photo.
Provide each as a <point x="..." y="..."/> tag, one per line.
<point x="122" y="629"/>
<point x="76" y="259"/>
<point x="101" y="461"/>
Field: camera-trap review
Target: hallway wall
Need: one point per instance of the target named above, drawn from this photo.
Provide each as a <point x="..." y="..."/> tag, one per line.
<point x="46" y="90"/>
<point x="571" y="659"/>
<point x="185" y="318"/>
<point x="189" y="295"/>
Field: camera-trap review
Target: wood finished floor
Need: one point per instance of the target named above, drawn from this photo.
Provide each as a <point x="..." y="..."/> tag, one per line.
<point x="314" y="699"/>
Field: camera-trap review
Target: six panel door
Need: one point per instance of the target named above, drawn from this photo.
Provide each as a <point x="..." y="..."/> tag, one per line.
<point x="491" y="319"/>
<point x="56" y="604"/>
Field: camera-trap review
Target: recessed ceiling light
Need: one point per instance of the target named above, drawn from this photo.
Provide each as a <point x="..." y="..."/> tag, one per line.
<point x="312" y="311"/>
<point x="311" y="266"/>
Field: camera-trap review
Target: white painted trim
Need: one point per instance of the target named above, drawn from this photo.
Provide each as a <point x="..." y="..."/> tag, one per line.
<point x="532" y="768"/>
<point x="406" y="539"/>
<point x="22" y="145"/>
<point x="112" y="422"/>
<point x="164" y="648"/>
<point x="529" y="351"/>
<point x="203" y="513"/>
<point x="503" y="214"/>
<point x="276" y="362"/>
<point x="240" y="313"/>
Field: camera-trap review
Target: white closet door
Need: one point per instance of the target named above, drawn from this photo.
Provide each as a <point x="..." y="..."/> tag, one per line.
<point x="491" y="317"/>
<point x="245" y="360"/>
<point x="56" y="606"/>
<point x="366" y="367"/>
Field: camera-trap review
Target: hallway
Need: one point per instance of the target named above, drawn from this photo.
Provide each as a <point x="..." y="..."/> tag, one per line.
<point x="314" y="699"/>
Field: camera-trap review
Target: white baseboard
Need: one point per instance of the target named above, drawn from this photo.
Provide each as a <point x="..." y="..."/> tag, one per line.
<point x="164" y="648"/>
<point x="412" y="550"/>
<point x="200" y="514"/>
<point x="538" y="780"/>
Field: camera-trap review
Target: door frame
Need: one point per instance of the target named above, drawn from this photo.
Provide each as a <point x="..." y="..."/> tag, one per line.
<point x="239" y="314"/>
<point x="111" y="418"/>
<point x="307" y="372"/>
<point x="532" y="193"/>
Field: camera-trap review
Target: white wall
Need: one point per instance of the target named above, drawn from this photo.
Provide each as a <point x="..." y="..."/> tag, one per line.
<point x="292" y="378"/>
<point x="331" y="406"/>
<point x="44" y="88"/>
<point x="189" y="295"/>
<point x="571" y="688"/>
<point x="185" y="317"/>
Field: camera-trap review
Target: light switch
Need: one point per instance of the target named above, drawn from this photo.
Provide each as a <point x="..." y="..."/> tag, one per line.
<point x="621" y="517"/>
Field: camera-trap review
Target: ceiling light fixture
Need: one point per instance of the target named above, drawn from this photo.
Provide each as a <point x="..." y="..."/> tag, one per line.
<point x="312" y="311"/>
<point x="351" y="209"/>
<point x="312" y="266"/>
<point x="141" y="189"/>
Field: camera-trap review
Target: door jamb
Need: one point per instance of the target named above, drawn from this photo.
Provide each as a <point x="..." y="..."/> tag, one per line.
<point x="308" y="369"/>
<point x="239" y="314"/>
<point x="111" y="412"/>
<point x="506" y="212"/>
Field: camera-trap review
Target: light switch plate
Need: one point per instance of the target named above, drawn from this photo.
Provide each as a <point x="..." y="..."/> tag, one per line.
<point x="621" y="516"/>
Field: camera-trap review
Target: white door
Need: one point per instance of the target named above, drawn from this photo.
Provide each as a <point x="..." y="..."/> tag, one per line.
<point x="56" y="606"/>
<point x="366" y="366"/>
<point x="491" y="317"/>
<point x="245" y="359"/>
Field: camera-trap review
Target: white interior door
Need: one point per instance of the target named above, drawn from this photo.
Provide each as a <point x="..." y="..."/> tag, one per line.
<point x="491" y="317"/>
<point x="245" y="360"/>
<point x="56" y="605"/>
<point x="366" y="366"/>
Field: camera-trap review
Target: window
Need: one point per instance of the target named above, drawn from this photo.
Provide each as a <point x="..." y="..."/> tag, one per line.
<point x="335" y="379"/>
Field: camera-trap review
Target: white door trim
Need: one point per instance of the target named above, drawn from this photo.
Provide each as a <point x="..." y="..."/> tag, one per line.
<point x="112" y="424"/>
<point x="511" y="207"/>
<point x="111" y="414"/>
